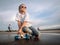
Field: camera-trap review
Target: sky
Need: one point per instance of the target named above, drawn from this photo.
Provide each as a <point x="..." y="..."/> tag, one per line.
<point x="44" y="14"/>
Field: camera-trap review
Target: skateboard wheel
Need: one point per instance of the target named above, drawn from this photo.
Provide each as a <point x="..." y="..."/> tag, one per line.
<point x="27" y="37"/>
<point x="16" y="37"/>
<point x="36" y="38"/>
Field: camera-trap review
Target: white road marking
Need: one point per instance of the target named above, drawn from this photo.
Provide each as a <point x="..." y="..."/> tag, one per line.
<point x="51" y="33"/>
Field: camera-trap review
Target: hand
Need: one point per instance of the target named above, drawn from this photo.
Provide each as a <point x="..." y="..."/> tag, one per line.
<point x="19" y="31"/>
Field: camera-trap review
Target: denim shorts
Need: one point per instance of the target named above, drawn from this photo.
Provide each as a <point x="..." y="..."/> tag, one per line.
<point x="34" y="31"/>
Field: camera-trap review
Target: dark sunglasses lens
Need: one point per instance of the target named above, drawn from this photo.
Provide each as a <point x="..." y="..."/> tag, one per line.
<point x="23" y="7"/>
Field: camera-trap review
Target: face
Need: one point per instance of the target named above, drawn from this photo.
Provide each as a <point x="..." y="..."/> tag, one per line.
<point x="23" y="8"/>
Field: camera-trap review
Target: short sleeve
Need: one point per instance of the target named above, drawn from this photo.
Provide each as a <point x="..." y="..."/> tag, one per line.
<point x="17" y="18"/>
<point x="27" y="18"/>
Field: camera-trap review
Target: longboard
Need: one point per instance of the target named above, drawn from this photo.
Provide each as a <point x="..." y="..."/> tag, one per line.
<point x="26" y="37"/>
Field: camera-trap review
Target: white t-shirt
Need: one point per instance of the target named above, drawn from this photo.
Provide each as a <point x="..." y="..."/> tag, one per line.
<point x="23" y="18"/>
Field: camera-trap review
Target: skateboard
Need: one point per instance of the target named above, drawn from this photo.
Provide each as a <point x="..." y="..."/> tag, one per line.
<point x="26" y="37"/>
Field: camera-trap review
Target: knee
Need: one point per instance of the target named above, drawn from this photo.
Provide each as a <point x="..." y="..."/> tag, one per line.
<point x="24" y="29"/>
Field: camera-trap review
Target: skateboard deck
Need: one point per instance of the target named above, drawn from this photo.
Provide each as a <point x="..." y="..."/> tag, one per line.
<point x="26" y="36"/>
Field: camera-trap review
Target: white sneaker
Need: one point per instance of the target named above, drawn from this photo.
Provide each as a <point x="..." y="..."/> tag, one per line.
<point x="23" y="36"/>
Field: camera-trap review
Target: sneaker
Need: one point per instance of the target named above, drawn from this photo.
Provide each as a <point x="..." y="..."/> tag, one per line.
<point x="36" y="37"/>
<point x="22" y="36"/>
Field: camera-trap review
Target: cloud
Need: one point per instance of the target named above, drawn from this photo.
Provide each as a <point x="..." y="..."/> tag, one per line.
<point x="50" y="11"/>
<point x="52" y="19"/>
<point x="36" y="7"/>
<point x="43" y="12"/>
<point x="50" y="27"/>
<point x="7" y="16"/>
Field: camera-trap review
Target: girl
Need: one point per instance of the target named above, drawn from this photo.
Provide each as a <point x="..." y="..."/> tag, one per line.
<point x="24" y="24"/>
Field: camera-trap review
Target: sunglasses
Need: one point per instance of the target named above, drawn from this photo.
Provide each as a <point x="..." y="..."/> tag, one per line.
<point x="23" y="7"/>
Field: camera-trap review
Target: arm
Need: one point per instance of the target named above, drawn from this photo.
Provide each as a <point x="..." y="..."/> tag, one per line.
<point x="23" y="24"/>
<point x="19" y="24"/>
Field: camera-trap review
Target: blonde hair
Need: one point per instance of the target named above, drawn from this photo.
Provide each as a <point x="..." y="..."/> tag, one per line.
<point x="20" y="6"/>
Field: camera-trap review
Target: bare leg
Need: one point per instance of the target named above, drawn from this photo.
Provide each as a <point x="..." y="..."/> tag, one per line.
<point x="20" y="32"/>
